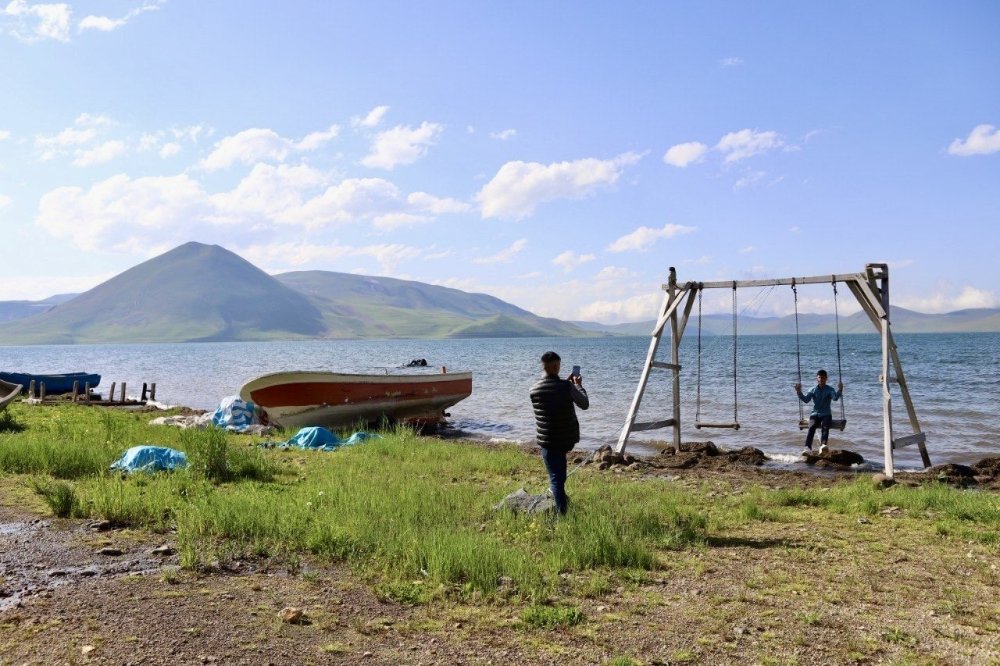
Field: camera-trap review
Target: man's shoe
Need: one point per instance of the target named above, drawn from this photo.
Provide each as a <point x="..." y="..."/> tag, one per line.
<point x="807" y="451"/>
<point x="823" y="449"/>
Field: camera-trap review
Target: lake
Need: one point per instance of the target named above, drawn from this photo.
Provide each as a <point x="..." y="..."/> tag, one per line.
<point x="952" y="378"/>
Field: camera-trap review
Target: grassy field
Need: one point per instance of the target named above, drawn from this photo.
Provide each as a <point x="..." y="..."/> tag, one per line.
<point x="679" y="569"/>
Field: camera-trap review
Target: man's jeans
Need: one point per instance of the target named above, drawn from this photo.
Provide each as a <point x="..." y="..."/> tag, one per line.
<point x="555" y="463"/>
<point x="821" y="422"/>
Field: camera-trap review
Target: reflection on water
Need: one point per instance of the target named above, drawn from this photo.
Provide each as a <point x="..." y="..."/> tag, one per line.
<point x="951" y="378"/>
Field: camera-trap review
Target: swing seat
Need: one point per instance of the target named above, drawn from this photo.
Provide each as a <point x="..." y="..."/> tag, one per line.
<point x="835" y="424"/>
<point x="732" y="426"/>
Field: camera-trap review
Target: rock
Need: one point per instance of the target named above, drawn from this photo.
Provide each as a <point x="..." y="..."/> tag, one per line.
<point x="291" y="615"/>
<point x="110" y="550"/>
<point x="748" y="455"/>
<point x="163" y="550"/>
<point x="882" y="481"/>
<point x="520" y="501"/>
<point x="101" y="525"/>
<point x="988" y="466"/>
<point x="707" y="448"/>
<point x="959" y="475"/>
<point x="87" y="649"/>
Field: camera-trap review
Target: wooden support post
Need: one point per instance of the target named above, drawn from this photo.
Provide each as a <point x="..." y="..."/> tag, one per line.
<point x="152" y="391"/>
<point x="111" y="393"/>
<point x="123" y="391"/>
<point x="41" y="391"/>
<point x="86" y="392"/>
<point x="675" y="359"/>
<point x="31" y="389"/>
<point x="76" y="389"/>
<point x="143" y="397"/>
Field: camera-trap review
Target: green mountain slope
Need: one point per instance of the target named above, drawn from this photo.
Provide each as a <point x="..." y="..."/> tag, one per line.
<point x="194" y="292"/>
<point x="354" y="305"/>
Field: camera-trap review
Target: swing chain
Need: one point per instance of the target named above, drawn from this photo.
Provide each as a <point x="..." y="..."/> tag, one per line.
<point x="798" y="352"/>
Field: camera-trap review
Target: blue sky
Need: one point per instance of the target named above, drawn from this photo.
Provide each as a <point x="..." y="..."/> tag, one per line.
<point x="560" y="156"/>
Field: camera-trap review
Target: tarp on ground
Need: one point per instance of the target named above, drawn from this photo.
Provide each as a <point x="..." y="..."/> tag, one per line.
<point x="321" y="439"/>
<point x="150" y="459"/>
<point x="233" y="413"/>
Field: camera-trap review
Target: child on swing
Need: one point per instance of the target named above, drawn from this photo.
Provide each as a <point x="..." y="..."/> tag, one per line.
<point x="821" y="397"/>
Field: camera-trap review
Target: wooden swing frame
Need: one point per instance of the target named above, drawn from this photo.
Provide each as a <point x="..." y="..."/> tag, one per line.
<point x="870" y="288"/>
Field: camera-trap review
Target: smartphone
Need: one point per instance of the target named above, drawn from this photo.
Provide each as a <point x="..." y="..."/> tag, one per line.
<point x="576" y="371"/>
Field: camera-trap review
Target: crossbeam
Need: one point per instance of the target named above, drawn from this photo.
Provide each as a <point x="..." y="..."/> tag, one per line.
<point x="739" y="284"/>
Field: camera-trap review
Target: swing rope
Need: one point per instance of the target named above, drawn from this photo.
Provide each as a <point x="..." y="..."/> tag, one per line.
<point x="736" y="419"/>
<point x="840" y="368"/>
<point x="735" y="425"/>
<point x="697" y="409"/>
<point x="798" y="351"/>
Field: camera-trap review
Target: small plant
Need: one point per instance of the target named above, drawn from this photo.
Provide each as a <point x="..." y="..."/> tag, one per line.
<point x="403" y="592"/>
<point x="8" y="423"/>
<point x="59" y="495"/>
<point x="551" y="617"/>
<point x="207" y="449"/>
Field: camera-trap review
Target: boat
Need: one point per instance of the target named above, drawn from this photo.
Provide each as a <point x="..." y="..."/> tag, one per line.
<point x="304" y="398"/>
<point x="8" y="392"/>
<point x="58" y="383"/>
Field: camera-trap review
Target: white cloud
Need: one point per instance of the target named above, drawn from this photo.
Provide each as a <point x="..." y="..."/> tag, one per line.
<point x="101" y="154"/>
<point x="36" y="287"/>
<point x="169" y="150"/>
<point x="278" y="257"/>
<point x="609" y="273"/>
<point x="748" y="179"/>
<point x="504" y="255"/>
<point x="106" y="24"/>
<point x="53" y="145"/>
<point x="684" y="154"/>
<point x="519" y="187"/>
<point x="317" y="139"/>
<point x="249" y="146"/>
<point x="373" y="118"/>
<point x="350" y="200"/>
<point x="118" y="212"/>
<point x="747" y="250"/>
<point x="4" y="135"/>
<point x="642" y="238"/>
<point x="401" y="145"/>
<point x="426" y="202"/>
<point x="33" y="23"/>
<point x="93" y="120"/>
<point x="267" y="193"/>
<point x="190" y="133"/>
<point x="747" y="143"/>
<point x="5" y="200"/>
<point x="391" y="221"/>
<point x="730" y="62"/>
<point x="504" y="135"/>
<point x="945" y="300"/>
<point x="635" y="308"/>
<point x="570" y="260"/>
<point x="982" y="140"/>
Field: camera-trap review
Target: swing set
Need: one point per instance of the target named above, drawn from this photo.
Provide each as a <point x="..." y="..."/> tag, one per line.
<point x="870" y="288"/>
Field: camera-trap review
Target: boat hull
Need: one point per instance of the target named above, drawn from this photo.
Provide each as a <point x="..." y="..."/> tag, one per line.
<point x="327" y="399"/>
<point x="60" y="383"/>
<point x="8" y="392"/>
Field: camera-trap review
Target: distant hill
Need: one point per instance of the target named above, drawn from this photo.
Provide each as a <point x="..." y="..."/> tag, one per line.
<point x="11" y="310"/>
<point x="194" y="292"/>
<point x="199" y="292"/>
<point x="980" y="320"/>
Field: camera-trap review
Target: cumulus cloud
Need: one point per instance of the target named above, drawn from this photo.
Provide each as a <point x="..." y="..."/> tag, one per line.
<point x="5" y="200"/>
<point x="504" y="135"/>
<point x="267" y="193"/>
<point x="32" y="23"/>
<point x="730" y="62"/>
<point x="982" y="140"/>
<point x="945" y="300"/>
<point x="169" y="150"/>
<point x="116" y="212"/>
<point x="748" y="179"/>
<point x="504" y="255"/>
<point x="391" y="221"/>
<point x="684" y="154"/>
<point x="609" y="273"/>
<point x="249" y="146"/>
<point x="350" y="200"/>
<point x="56" y="144"/>
<point x="570" y="261"/>
<point x="317" y="139"/>
<point x="642" y="238"/>
<point x="401" y="145"/>
<point x="373" y="118"/>
<point x="519" y="187"/>
<point x="287" y="256"/>
<point x="436" y="205"/>
<point x="101" y="154"/>
<point x="746" y="143"/>
<point x="635" y="308"/>
<point x="106" y="24"/>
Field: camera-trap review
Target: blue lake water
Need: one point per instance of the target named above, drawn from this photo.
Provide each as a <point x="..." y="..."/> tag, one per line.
<point x="953" y="380"/>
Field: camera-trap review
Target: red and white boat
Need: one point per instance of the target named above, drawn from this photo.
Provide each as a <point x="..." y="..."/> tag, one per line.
<point x="313" y="398"/>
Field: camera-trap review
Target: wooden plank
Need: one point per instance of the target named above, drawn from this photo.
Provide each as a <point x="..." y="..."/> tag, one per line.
<point x="666" y="366"/>
<point x="817" y="279"/>
<point x="665" y="317"/>
<point x="915" y="438"/>
<point x="731" y="426"/>
<point x="835" y="424"/>
<point x="652" y="425"/>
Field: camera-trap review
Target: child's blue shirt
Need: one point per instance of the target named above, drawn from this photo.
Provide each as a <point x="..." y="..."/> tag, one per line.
<point x="821" y="398"/>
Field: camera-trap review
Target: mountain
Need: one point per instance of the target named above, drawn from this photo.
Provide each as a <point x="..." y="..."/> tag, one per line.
<point x="978" y="320"/>
<point x="364" y="306"/>
<point x="194" y="292"/>
<point x="197" y="293"/>
<point x="11" y="310"/>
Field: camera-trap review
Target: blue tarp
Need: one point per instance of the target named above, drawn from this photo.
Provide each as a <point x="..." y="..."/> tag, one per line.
<point x="321" y="439"/>
<point x="150" y="459"/>
<point x="235" y="414"/>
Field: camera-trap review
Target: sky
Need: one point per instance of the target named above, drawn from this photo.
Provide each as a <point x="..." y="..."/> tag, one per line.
<point x="557" y="155"/>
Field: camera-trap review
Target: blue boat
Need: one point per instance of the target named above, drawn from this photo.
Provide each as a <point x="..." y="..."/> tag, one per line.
<point x="53" y="383"/>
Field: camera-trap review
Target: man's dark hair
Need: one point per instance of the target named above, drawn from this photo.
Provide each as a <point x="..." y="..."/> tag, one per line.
<point x="821" y="373"/>
<point x="550" y="356"/>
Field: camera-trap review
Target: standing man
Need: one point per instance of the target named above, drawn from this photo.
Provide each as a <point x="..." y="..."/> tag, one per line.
<point x="557" y="430"/>
<point x="821" y="396"/>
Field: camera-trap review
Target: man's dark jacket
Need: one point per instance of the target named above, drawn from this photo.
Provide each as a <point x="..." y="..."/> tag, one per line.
<point x="555" y="419"/>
